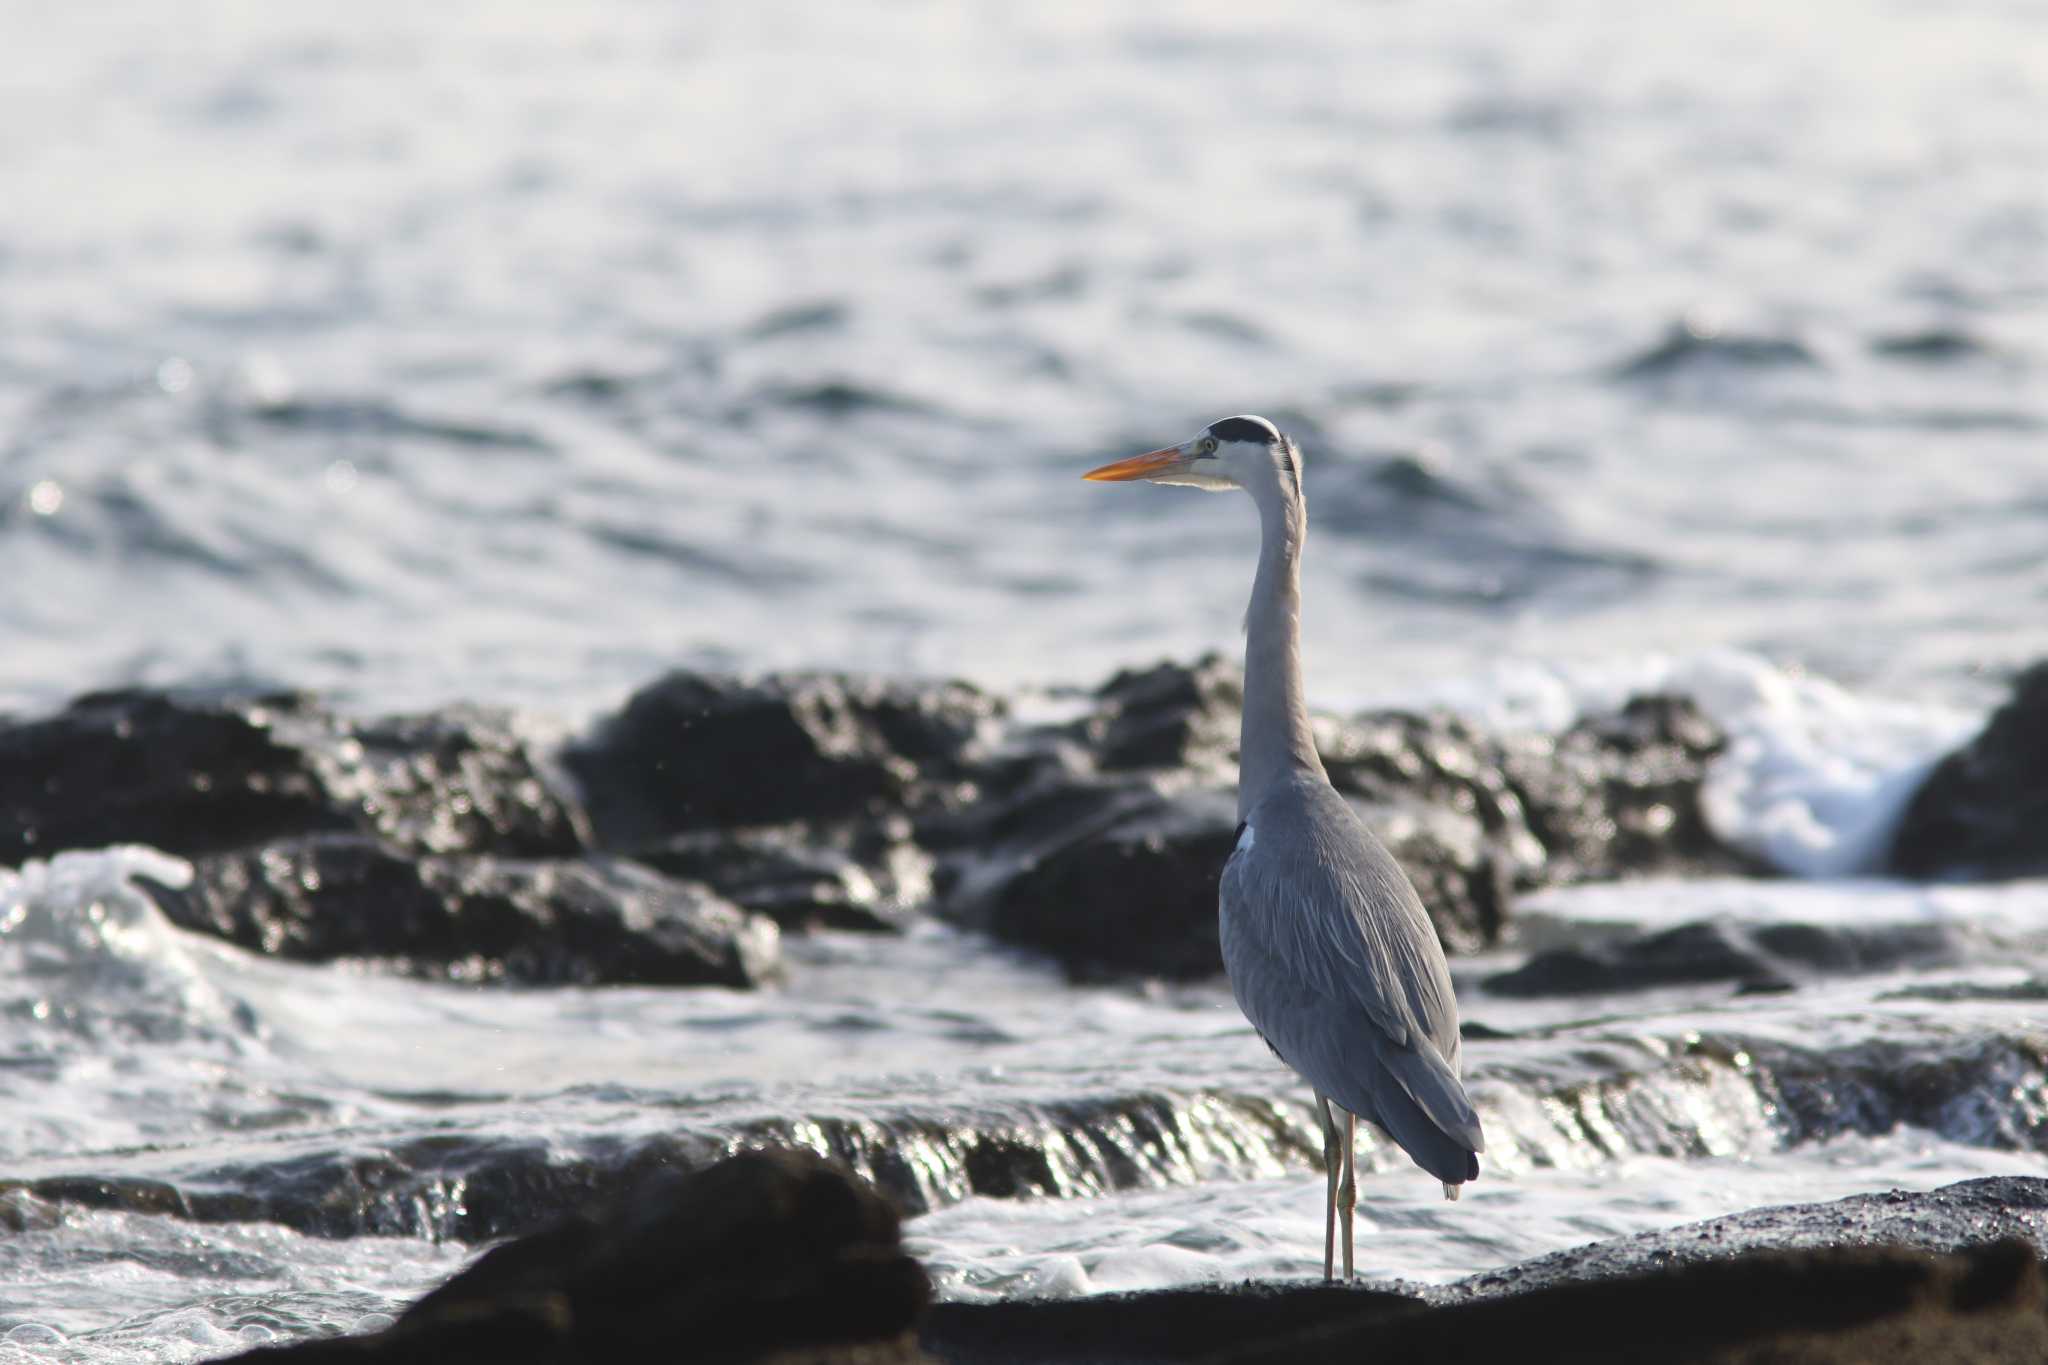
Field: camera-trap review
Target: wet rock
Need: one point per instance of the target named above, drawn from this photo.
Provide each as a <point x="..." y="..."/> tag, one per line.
<point x="1759" y="958"/>
<point x="1687" y="1096"/>
<point x="528" y="1331"/>
<point x="1435" y="794"/>
<point x="1168" y="716"/>
<point x="1396" y="759"/>
<point x="457" y="1186"/>
<point x="1102" y="842"/>
<point x="766" y="1256"/>
<point x="188" y="774"/>
<point x="842" y="802"/>
<point x="1619" y="795"/>
<point x="541" y="922"/>
<point x="458" y="780"/>
<point x="1810" y="1307"/>
<point x="999" y="857"/>
<point x="692" y="752"/>
<point x="1690" y="953"/>
<point x="1195" y="1323"/>
<point x="473" y="1184"/>
<point x="1473" y="817"/>
<point x="1037" y="799"/>
<point x="1135" y="893"/>
<point x="1695" y="1094"/>
<point x="1985" y="1090"/>
<point x="1968" y="1214"/>
<point x="1981" y="810"/>
<point x="793" y="794"/>
<point x="21" y="1211"/>
<point x="1896" y="1277"/>
<point x="866" y="876"/>
<point x="196" y="772"/>
<point x="2033" y="988"/>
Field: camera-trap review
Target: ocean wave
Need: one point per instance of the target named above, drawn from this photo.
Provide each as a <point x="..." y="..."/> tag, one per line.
<point x="1815" y="775"/>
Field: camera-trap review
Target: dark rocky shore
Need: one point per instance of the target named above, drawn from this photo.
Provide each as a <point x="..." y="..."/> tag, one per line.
<point x="778" y="1256"/>
<point x="679" y="842"/>
<point x="670" y="844"/>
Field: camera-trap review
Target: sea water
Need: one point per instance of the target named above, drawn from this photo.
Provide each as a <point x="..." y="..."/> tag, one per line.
<point x="516" y="353"/>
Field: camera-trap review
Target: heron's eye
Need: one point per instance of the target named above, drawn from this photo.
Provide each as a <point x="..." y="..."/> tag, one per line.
<point x="1208" y="446"/>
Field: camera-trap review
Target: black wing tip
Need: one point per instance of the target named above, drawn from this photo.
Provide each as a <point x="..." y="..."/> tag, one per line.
<point x="1471" y="1165"/>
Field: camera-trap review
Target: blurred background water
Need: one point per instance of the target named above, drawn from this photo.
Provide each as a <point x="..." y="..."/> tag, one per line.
<point x="512" y="351"/>
<point x="516" y="352"/>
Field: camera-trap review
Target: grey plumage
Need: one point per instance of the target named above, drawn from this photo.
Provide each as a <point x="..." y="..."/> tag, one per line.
<point x="1329" y="951"/>
<point x="1334" y="962"/>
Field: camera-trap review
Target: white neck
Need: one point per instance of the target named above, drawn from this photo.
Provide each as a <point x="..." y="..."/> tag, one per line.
<point x="1276" y="738"/>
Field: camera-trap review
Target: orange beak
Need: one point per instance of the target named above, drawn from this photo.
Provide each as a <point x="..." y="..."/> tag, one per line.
<point x="1137" y="467"/>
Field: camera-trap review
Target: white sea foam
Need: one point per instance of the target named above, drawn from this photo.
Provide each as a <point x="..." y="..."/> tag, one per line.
<point x="117" y="1022"/>
<point x="1223" y="1232"/>
<point x="87" y="897"/>
<point x="2012" y="913"/>
<point x="1815" y="775"/>
<point x="85" y="947"/>
<point x="109" y="1288"/>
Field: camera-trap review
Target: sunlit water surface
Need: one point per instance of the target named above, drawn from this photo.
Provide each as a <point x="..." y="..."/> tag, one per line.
<point x="515" y="352"/>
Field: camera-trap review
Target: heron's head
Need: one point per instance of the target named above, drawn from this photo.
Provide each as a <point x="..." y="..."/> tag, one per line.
<point x="1236" y="452"/>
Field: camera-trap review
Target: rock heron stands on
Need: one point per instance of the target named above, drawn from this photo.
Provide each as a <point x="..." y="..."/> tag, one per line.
<point x="1329" y="951"/>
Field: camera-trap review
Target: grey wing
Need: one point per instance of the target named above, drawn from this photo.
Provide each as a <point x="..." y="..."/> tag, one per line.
<point x="1333" y="960"/>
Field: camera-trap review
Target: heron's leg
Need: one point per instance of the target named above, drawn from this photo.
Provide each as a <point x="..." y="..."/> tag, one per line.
<point x="1347" y="1190"/>
<point x="1333" y="1161"/>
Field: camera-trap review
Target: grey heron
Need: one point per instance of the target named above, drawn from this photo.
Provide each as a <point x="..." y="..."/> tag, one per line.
<point x="1329" y="951"/>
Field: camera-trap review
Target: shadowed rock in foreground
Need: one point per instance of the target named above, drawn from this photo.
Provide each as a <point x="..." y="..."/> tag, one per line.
<point x="769" y="1256"/>
<point x="1969" y="1213"/>
<point x="1953" y="1274"/>
<point x="1893" y="1304"/>
<point x="778" y="1256"/>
